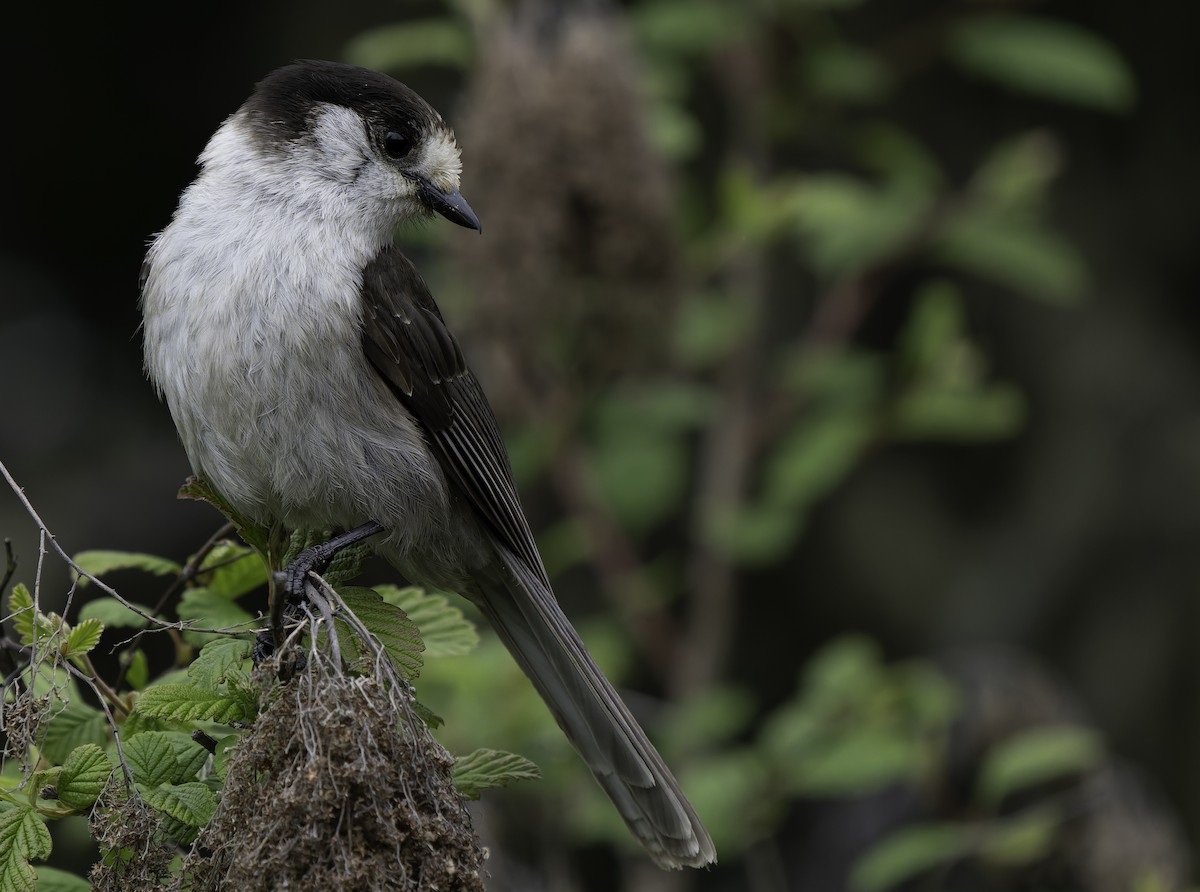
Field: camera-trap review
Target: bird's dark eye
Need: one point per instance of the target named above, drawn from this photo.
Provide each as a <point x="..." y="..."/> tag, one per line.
<point x="397" y="145"/>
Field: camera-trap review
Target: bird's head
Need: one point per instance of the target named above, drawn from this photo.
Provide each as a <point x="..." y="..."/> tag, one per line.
<point x="355" y="138"/>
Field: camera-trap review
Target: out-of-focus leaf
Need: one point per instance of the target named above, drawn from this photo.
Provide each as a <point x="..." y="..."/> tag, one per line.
<point x="1047" y="58"/>
<point x="231" y="570"/>
<point x="98" y="563"/>
<point x="138" y="672"/>
<point x="77" y="724"/>
<point x="51" y="879"/>
<point x="848" y="224"/>
<point x="687" y="27"/>
<point x="1017" y="173"/>
<point x="755" y="534"/>
<point x="412" y="44"/>
<point x="211" y="611"/>
<point x="1013" y="251"/>
<point x="717" y="715"/>
<point x="815" y="457"/>
<point x="642" y="474"/>
<point x="708" y="326"/>
<point x="907" y="854"/>
<point x="735" y="792"/>
<point x="864" y="761"/>
<point x="846" y="73"/>
<point x="1022" y="839"/>
<point x="987" y="414"/>
<point x="112" y="613"/>
<point x="898" y="156"/>
<point x="1037" y="756"/>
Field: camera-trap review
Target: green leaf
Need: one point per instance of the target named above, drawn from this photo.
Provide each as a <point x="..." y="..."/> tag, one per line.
<point x="76" y="725"/>
<point x="1037" y="756"/>
<point x="846" y="73"/>
<point x="755" y="534"/>
<point x="191" y="803"/>
<point x="187" y="703"/>
<point x="397" y="633"/>
<point x="98" y="563"/>
<point x="82" y="638"/>
<point x="485" y="769"/>
<point x="151" y="757"/>
<point x="708" y="326"/>
<point x="815" y="457"/>
<point x="1014" y="251"/>
<point x="686" y="27"/>
<point x="138" y="672"/>
<point x="23" y="837"/>
<point x="212" y="611"/>
<point x="190" y="756"/>
<point x="216" y="657"/>
<point x="855" y="762"/>
<point x="1046" y="58"/>
<point x="113" y="614"/>
<point x="1021" y="840"/>
<point x="83" y="777"/>
<point x="230" y="570"/>
<point x="849" y="224"/>
<point x="642" y="473"/>
<point x="443" y="628"/>
<point x="347" y="563"/>
<point x="906" y="854"/>
<point x="20" y="607"/>
<point x="410" y="44"/>
<point x="51" y="879"/>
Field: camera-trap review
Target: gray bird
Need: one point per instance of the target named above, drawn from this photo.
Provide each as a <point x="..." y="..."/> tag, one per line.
<point x="315" y="385"/>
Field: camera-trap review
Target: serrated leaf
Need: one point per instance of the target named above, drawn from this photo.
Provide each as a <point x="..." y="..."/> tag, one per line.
<point x="485" y="769"/>
<point x="20" y="606"/>
<point x="230" y="570"/>
<point x="252" y="533"/>
<point x="397" y="633"/>
<point x="82" y="638"/>
<point x="113" y="614"/>
<point x="51" y="879"/>
<point x="190" y="756"/>
<point x="83" y="777"/>
<point x="347" y="563"/>
<point x="432" y="720"/>
<point x="23" y="836"/>
<point x="98" y="563"/>
<point x="77" y="724"/>
<point x="1037" y="756"/>
<point x="443" y="628"/>
<point x="151" y="757"/>
<point x="192" y="803"/>
<point x="906" y="854"/>
<point x="209" y="668"/>
<point x="1047" y="58"/>
<point x="187" y="703"/>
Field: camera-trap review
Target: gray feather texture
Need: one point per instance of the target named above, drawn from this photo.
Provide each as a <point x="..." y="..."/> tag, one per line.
<point x="315" y="384"/>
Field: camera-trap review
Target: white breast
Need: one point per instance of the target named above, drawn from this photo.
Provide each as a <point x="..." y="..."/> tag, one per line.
<point x="252" y="335"/>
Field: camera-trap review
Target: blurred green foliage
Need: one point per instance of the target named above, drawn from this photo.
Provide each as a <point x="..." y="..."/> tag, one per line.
<point x="800" y="191"/>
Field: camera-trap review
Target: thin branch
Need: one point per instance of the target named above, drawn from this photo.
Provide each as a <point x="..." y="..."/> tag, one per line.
<point x="10" y="566"/>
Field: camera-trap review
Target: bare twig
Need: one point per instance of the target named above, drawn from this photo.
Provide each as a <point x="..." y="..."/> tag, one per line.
<point x="10" y="566"/>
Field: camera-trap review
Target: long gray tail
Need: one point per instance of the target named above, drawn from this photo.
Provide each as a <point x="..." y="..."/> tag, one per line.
<point x="528" y="619"/>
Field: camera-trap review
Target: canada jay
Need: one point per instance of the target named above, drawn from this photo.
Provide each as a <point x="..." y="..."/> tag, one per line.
<point x="315" y="385"/>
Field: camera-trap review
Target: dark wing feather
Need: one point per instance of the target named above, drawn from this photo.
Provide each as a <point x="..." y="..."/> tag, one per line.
<point x="408" y="343"/>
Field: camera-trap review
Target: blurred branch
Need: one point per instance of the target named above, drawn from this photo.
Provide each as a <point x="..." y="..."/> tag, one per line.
<point x="726" y="448"/>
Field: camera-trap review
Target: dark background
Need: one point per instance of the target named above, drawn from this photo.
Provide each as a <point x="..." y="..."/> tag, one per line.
<point x="1076" y="541"/>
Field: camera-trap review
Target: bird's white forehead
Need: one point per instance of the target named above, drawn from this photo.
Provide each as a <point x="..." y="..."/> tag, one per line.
<point x="440" y="161"/>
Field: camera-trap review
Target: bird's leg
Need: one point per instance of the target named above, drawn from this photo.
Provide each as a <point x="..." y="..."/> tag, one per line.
<point x="289" y="582"/>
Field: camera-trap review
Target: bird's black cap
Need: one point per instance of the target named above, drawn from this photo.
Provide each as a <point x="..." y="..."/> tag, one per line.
<point x="282" y="103"/>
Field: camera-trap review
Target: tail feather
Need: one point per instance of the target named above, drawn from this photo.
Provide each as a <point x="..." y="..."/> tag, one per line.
<point x="528" y="619"/>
